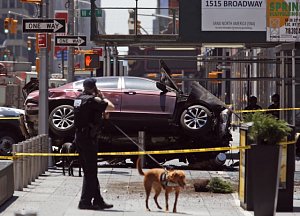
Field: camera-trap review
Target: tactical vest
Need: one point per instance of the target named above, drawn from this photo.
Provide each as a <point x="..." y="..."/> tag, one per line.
<point x="81" y="112"/>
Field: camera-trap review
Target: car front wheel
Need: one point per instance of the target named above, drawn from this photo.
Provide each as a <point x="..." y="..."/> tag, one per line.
<point x="61" y="120"/>
<point x="196" y="119"/>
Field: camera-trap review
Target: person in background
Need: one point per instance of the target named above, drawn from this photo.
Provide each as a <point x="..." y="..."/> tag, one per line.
<point x="252" y="104"/>
<point x="274" y="105"/>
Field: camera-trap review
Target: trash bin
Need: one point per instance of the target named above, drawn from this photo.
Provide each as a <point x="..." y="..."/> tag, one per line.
<point x="286" y="182"/>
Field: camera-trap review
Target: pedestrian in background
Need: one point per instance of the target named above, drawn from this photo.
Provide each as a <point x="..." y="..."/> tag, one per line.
<point x="252" y="104"/>
<point x="275" y="105"/>
<point x="89" y="109"/>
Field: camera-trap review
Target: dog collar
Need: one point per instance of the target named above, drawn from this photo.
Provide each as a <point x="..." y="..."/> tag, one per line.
<point x="164" y="181"/>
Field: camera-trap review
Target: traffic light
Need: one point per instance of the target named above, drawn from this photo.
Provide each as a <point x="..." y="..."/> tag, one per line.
<point x="14" y="26"/>
<point x="37" y="64"/>
<point x="6" y="25"/>
<point x="29" y="45"/>
<point x="91" y="61"/>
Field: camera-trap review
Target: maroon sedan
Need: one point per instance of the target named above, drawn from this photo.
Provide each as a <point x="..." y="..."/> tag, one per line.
<point x="169" y="118"/>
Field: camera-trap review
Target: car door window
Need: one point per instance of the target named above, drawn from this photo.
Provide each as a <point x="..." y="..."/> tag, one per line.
<point x="107" y="82"/>
<point x="102" y="83"/>
<point x="140" y="84"/>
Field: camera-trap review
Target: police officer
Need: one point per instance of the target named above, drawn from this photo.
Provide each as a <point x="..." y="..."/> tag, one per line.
<point x="88" y="110"/>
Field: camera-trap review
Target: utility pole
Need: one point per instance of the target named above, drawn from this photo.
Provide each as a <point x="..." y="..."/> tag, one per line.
<point x="71" y="30"/>
<point x="43" y="81"/>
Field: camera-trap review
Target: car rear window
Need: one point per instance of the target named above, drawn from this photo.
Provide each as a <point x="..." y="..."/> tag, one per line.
<point x="140" y="84"/>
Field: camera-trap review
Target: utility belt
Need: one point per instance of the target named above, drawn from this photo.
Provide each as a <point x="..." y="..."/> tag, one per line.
<point x="91" y="131"/>
<point x="82" y="130"/>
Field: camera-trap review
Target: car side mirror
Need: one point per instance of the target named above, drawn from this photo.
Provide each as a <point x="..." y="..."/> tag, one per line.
<point x="161" y="86"/>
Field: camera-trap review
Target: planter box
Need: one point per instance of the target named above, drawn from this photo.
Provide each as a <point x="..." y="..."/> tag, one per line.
<point x="6" y="180"/>
<point x="265" y="165"/>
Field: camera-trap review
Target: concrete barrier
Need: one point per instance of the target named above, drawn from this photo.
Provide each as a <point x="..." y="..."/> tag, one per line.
<point x="28" y="168"/>
<point x="6" y="183"/>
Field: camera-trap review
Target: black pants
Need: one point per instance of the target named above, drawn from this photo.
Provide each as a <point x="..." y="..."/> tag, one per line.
<point x="87" y="149"/>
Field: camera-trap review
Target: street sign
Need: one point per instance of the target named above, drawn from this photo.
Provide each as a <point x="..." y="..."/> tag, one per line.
<point x="88" y="13"/>
<point x="42" y="40"/>
<point x="70" y="40"/>
<point x="44" y="25"/>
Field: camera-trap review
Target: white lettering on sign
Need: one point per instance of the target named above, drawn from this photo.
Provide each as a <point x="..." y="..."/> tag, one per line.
<point x="44" y="25"/>
<point x="33" y="25"/>
<point x="234" y="15"/>
<point x="239" y="4"/>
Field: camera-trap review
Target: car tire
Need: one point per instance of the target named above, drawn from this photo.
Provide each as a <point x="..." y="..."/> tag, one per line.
<point x="7" y="139"/>
<point x="196" y="119"/>
<point x="61" y="120"/>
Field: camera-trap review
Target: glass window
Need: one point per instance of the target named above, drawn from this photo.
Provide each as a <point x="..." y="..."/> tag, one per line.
<point x="12" y="4"/>
<point x="140" y="84"/>
<point x="107" y="82"/>
<point x="17" y="51"/>
<point x="4" y="4"/>
<point x="102" y="83"/>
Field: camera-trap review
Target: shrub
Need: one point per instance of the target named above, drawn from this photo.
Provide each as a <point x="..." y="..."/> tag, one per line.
<point x="218" y="185"/>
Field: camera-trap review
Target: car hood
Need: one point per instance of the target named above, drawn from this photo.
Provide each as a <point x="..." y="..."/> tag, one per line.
<point x="10" y="112"/>
<point x="198" y="92"/>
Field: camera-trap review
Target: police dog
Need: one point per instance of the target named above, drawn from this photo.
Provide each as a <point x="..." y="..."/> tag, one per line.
<point x="69" y="161"/>
<point x="158" y="179"/>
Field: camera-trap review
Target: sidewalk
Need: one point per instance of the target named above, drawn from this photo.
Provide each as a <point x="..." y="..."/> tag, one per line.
<point x="55" y="194"/>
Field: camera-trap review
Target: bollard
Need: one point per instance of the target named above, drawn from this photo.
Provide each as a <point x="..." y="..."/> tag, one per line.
<point x="50" y="161"/>
<point x="25" y="161"/>
<point x="32" y="176"/>
<point x="44" y="147"/>
<point x="141" y="139"/>
<point x="36" y="159"/>
<point x="18" y="168"/>
<point x="29" y="162"/>
<point x="16" y="174"/>
<point x="39" y="138"/>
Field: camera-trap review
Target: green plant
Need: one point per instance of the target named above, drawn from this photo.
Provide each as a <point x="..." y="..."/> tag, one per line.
<point x="218" y="185"/>
<point x="266" y="129"/>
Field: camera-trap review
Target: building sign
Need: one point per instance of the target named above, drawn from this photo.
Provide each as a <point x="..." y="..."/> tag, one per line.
<point x="221" y="15"/>
<point x="283" y="20"/>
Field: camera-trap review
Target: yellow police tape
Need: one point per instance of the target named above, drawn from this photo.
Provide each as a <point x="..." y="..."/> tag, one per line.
<point x="265" y="110"/>
<point x="179" y="151"/>
<point x="7" y="118"/>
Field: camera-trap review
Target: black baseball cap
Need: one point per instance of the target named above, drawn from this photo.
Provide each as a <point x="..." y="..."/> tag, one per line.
<point x="89" y="83"/>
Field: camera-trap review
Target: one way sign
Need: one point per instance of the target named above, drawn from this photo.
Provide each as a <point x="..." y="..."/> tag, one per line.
<point x="44" y="25"/>
<point x="70" y="40"/>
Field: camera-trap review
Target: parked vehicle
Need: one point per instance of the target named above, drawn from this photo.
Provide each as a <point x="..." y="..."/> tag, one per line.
<point x="169" y="118"/>
<point x="10" y="132"/>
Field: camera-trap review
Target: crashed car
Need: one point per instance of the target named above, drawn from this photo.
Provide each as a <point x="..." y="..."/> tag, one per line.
<point x="10" y="132"/>
<point x="169" y="118"/>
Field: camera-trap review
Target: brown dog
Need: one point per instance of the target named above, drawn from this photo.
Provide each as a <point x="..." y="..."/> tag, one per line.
<point x="159" y="179"/>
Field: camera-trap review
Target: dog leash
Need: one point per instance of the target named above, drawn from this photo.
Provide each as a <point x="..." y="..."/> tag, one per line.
<point x="140" y="148"/>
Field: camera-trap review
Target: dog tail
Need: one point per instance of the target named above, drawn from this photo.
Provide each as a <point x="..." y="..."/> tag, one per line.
<point x="139" y="167"/>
